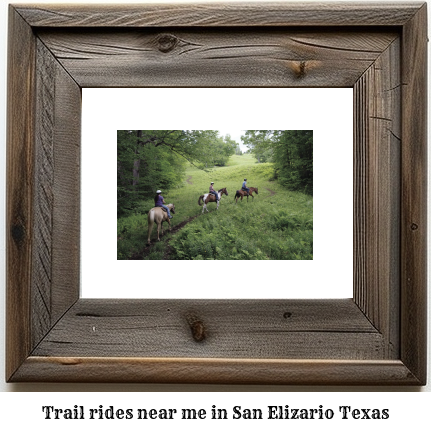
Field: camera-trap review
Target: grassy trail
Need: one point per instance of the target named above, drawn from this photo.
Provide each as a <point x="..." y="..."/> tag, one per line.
<point x="276" y="224"/>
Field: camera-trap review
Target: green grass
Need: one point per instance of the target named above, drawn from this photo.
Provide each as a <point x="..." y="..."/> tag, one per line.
<point x="276" y="224"/>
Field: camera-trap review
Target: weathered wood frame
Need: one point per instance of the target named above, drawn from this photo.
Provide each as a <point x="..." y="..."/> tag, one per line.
<point x="378" y="337"/>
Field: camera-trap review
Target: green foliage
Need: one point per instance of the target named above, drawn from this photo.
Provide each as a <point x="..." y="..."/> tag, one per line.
<point x="260" y="144"/>
<point x="292" y="154"/>
<point x="130" y="235"/>
<point x="263" y="230"/>
<point x="144" y="165"/>
<point x="148" y="160"/>
<point x="276" y="224"/>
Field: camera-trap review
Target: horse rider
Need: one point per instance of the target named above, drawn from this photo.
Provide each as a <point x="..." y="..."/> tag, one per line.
<point x="212" y="191"/>
<point x="159" y="202"/>
<point x="244" y="187"/>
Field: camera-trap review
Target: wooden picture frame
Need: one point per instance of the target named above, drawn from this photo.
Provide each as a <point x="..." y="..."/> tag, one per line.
<point x="376" y="338"/>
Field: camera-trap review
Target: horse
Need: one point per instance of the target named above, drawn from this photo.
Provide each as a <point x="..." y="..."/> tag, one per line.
<point x="209" y="197"/>
<point x="159" y="215"/>
<point x="242" y="193"/>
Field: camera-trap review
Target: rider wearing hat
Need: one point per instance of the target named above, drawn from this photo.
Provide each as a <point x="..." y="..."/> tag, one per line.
<point x="159" y="202"/>
<point x="212" y="191"/>
<point x="244" y="186"/>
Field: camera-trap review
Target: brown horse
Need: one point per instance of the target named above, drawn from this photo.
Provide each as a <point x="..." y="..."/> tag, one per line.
<point x="209" y="197"/>
<point x="242" y="193"/>
<point x="158" y="215"/>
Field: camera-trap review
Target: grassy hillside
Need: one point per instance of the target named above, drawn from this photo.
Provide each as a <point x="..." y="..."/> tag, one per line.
<point x="276" y="224"/>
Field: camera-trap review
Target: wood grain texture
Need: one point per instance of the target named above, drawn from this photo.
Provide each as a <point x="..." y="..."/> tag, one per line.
<point x="215" y="371"/>
<point x="378" y="337"/>
<point x="414" y="195"/>
<point x="234" y="329"/>
<point x="227" y="58"/>
<point x="19" y="200"/>
<point x="44" y="196"/>
<point x="55" y="278"/>
<point x="220" y="15"/>
<point x="377" y="101"/>
<point x="66" y="189"/>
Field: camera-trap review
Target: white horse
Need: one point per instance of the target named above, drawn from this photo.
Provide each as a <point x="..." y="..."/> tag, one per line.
<point x="158" y="215"/>
<point x="210" y="197"/>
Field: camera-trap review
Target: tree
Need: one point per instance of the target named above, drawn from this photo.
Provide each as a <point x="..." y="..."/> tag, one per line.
<point x="291" y="152"/>
<point x="223" y="148"/>
<point x="144" y="163"/>
<point x="259" y="143"/>
<point x="293" y="159"/>
<point x="151" y="159"/>
<point x="232" y="147"/>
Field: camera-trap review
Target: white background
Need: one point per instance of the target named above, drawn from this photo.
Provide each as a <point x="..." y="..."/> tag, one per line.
<point x="23" y="408"/>
<point x="328" y="112"/>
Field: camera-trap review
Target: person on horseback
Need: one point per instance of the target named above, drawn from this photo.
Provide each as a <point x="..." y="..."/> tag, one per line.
<point x="159" y="201"/>
<point x="244" y="187"/>
<point x="212" y="191"/>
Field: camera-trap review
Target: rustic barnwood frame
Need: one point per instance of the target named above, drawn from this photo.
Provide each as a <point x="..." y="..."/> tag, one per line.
<point x="378" y="337"/>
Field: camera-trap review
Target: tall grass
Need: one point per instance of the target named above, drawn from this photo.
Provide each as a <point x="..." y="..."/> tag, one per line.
<point x="276" y="224"/>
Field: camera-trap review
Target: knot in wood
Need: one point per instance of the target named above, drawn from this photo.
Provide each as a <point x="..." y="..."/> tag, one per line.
<point x="167" y="42"/>
<point x="18" y="233"/>
<point x="197" y="328"/>
<point x="300" y="69"/>
<point x="414" y="226"/>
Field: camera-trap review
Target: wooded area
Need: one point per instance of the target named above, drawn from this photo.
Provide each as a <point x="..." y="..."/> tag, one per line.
<point x="291" y="151"/>
<point x="148" y="160"/>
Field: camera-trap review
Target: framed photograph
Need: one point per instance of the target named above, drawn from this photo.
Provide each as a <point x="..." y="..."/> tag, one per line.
<point x="275" y="228"/>
<point x="377" y="337"/>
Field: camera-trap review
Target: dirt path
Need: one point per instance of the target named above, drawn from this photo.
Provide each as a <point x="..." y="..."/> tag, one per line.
<point x="270" y="191"/>
<point x="146" y="250"/>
